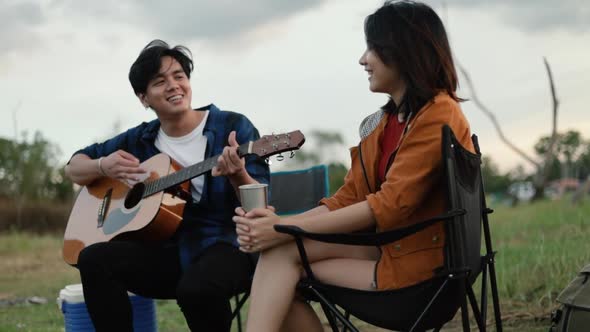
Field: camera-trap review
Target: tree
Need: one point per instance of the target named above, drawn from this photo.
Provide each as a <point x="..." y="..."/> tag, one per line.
<point x="29" y="172"/>
<point x="555" y="169"/>
<point x="568" y="148"/>
<point x="570" y="144"/>
<point x="582" y="164"/>
<point x="542" y="167"/>
<point x="493" y="180"/>
<point x="583" y="161"/>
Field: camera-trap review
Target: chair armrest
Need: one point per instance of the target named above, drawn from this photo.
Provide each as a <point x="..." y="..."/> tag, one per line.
<point x="367" y="239"/>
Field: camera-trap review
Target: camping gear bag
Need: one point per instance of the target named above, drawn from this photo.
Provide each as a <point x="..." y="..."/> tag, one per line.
<point x="573" y="315"/>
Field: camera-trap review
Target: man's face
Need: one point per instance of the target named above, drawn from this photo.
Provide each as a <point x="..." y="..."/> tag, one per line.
<point x="169" y="92"/>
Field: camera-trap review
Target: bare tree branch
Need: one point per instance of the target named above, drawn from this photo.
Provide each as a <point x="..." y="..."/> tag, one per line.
<point x="544" y="167"/>
<point x="492" y="118"/>
<point x="549" y="153"/>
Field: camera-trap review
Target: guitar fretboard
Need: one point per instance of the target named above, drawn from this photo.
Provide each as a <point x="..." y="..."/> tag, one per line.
<point x="187" y="173"/>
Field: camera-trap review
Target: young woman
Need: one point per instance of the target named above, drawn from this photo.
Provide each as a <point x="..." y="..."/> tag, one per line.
<point x="395" y="178"/>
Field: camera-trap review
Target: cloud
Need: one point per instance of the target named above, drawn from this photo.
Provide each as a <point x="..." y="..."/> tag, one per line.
<point x="220" y="19"/>
<point x="535" y="15"/>
<point x="21" y="21"/>
<point x="188" y="19"/>
<point x="26" y="23"/>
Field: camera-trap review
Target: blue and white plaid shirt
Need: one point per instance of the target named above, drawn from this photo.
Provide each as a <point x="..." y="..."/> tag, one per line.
<point x="209" y="221"/>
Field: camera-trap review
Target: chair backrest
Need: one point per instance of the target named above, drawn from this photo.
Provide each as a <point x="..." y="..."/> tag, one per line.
<point x="294" y="192"/>
<point x="465" y="190"/>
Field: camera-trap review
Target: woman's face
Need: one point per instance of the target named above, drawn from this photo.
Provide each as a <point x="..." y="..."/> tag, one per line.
<point x="382" y="78"/>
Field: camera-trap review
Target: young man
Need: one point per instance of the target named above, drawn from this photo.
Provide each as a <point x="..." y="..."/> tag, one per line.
<point x="200" y="266"/>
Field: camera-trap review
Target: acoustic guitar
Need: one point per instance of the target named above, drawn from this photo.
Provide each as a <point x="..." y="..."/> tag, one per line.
<point x="150" y="210"/>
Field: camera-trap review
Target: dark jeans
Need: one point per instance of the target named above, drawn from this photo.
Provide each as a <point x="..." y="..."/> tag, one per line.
<point x="108" y="270"/>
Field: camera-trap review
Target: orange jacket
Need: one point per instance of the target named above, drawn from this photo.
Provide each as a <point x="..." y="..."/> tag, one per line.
<point x="413" y="190"/>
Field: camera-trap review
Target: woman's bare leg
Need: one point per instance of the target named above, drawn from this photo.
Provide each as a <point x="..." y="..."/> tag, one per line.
<point x="278" y="271"/>
<point x="301" y="317"/>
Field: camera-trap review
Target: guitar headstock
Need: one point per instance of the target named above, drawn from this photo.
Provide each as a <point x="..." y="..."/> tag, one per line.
<point x="269" y="145"/>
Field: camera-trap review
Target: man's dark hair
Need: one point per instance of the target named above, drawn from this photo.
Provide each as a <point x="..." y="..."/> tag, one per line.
<point x="411" y="36"/>
<point x="147" y="64"/>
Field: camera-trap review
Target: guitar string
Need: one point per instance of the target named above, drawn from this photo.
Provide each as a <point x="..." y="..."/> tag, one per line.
<point x="185" y="174"/>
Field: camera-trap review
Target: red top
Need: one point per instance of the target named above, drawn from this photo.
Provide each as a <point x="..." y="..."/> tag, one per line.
<point x="391" y="136"/>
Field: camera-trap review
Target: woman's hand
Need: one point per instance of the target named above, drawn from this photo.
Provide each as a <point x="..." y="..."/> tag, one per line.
<point x="255" y="229"/>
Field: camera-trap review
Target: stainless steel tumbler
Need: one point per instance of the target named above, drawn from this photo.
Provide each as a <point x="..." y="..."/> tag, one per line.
<point x="254" y="196"/>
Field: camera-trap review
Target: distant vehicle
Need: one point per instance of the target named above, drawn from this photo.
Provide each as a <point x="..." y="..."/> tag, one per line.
<point x="523" y="191"/>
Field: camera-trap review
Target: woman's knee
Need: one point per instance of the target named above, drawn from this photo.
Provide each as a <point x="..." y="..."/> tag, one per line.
<point x="283" y="253"/>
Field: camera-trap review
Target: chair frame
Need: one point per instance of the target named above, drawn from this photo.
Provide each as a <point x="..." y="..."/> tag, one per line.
<point x="461" y="275"/>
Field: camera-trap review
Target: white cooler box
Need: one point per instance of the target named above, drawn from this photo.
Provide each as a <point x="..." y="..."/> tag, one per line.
<point x="71" y="302"/>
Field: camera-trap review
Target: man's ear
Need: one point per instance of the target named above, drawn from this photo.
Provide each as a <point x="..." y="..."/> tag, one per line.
<point x="143" y="99"/>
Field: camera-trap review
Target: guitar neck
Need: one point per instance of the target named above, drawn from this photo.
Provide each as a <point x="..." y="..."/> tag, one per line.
<point x="187" y="173"/>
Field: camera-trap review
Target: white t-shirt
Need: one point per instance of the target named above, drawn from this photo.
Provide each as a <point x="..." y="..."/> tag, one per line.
<point x="187" y="150"/>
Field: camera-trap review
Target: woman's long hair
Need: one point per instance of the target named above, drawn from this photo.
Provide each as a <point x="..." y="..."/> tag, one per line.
<point x="410" y="36"/>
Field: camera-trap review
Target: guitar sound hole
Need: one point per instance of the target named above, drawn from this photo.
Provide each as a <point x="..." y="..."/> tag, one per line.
<point x="134" y="195"/>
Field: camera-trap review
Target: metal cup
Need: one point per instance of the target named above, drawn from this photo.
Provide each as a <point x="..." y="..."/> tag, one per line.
<point x="254" y="196"/>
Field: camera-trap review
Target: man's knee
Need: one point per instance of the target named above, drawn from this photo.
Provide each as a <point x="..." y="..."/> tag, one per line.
<point x="90" y="257"/>
<point x="204" y="304"/>
<point x="202" y="291"/>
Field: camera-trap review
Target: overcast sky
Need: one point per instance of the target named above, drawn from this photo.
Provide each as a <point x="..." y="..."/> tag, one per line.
<point x="285" y="64"/>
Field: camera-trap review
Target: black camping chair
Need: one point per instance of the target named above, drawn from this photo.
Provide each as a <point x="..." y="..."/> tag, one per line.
<point x="291" y="192"/>
<point x="432" y="303"/>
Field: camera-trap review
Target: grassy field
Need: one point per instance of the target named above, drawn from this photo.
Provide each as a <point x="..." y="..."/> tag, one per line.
<point x="540" y="246"/>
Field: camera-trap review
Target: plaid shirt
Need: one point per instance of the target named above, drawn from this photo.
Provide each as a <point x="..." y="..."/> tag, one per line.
<point x="208" y="221"/>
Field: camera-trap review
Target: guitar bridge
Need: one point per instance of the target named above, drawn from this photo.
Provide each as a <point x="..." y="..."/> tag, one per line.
<point x="104" y="206"/>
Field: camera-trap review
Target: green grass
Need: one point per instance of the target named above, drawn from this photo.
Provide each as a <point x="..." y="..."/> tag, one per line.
<point x="31" y="265"/>
<point x="540" y="246"/>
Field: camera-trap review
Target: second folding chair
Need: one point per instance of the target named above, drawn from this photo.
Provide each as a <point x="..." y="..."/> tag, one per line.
<point x="434" y="302"/>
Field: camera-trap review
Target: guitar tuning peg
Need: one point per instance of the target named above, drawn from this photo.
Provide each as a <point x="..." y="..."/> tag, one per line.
<point x="292" y="154"/>
<point x="280" y="157"/>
